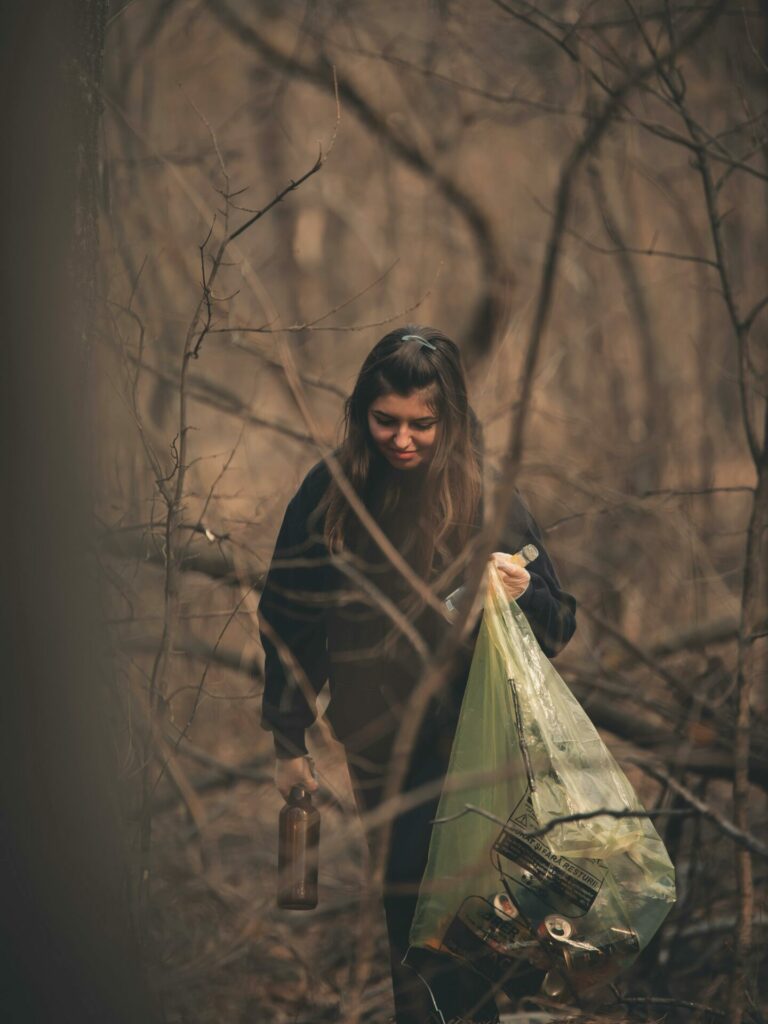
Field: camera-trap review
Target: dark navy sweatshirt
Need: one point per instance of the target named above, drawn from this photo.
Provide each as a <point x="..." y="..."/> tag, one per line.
<point x="319" y="624"/>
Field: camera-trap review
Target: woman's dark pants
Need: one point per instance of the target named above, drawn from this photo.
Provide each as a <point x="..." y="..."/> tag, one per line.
<point x="457" y="991"/>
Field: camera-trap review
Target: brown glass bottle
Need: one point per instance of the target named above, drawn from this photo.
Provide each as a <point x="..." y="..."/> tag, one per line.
<point x="299" y="842"/>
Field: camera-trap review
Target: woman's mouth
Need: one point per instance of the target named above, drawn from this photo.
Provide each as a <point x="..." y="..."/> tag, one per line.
<point x="401" y="456"/>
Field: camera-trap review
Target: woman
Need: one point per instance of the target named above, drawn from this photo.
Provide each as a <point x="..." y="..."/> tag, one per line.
<point x="334" y="608"/>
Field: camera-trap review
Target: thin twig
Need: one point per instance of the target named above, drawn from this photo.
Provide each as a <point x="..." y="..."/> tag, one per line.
<point x="682" y="1004"/>
<point x="553" y="823"/>
<point x="298" y="182"/>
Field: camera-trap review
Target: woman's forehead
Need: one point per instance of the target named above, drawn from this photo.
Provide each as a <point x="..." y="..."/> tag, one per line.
<point x="413" y="406"/>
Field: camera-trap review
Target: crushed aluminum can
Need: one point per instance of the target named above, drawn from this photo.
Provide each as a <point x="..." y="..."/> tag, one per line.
<point x="580" y="959"/>
<point x="556" y="928"/>
<point x="503" y="906"/>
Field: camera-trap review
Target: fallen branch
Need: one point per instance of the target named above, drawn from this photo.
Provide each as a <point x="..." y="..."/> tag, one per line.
<point x="193" y="647"/>
<point x="145" y="545"/>
<point x="728" y="828"/>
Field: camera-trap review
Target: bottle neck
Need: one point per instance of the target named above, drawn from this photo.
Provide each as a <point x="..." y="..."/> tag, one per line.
<point x="300" y="795"/>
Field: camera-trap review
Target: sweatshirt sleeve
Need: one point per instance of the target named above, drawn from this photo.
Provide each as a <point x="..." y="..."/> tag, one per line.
<point x="550" y="610"/>
<point x="292" y="628"/>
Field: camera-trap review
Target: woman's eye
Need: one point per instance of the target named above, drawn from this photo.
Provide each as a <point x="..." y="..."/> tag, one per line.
<point x="416" y="426"/>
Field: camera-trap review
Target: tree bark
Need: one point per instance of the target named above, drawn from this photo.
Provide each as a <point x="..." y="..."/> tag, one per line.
<point x="65" y="936"/>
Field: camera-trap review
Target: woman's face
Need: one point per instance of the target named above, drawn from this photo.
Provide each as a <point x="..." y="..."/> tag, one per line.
<point x="403" y="428"/>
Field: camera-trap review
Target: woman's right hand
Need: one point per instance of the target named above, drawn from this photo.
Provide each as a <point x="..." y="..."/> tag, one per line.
<point x="514" y="577"/>
<point x="293" y="771"/>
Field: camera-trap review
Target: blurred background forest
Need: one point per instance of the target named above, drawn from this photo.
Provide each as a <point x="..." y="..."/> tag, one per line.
<point x="576" y="193"/>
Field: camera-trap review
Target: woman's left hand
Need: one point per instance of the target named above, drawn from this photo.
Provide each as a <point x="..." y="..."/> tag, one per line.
<point x="514" y="578"/>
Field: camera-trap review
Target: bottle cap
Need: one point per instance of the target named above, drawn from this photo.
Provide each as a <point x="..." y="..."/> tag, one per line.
<point x="298" y="792"/>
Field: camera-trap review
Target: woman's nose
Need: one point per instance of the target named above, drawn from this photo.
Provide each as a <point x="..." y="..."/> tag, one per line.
<point x="403" y="436"/>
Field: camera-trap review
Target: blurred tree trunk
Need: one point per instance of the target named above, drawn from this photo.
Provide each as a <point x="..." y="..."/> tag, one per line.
<point x="67" y="948"/>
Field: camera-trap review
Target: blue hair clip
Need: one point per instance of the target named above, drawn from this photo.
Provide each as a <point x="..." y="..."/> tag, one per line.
<point x="418" y="337"/>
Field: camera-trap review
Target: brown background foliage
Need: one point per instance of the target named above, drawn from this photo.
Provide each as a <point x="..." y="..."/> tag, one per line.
<point x="434" y="206"/>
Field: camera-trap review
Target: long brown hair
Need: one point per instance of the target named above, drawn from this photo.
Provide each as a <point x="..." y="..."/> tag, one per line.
<point x="401" y="363"/>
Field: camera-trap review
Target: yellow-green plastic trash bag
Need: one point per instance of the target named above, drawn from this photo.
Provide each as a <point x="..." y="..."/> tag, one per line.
<point x="582" y="899"/>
